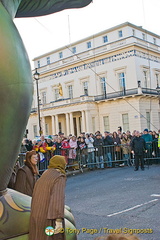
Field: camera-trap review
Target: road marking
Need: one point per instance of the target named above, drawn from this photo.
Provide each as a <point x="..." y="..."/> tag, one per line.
<point x="129" y="209"/>
<point x="155" y="195"/>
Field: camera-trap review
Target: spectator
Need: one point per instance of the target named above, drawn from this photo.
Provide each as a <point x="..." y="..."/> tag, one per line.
<point x="148" y="139"/>
<point x="28" y="145"/>
<point x="57" y="145"/>
<point x="28" y="174"/>
<point x="83" y="151"/>
<point x="89" y="141"/>
<point x="98" y="144"/>
<point x="138" y="146"/>
<point x="117" y="142"/>
<point x="108" y="143"/>
<point x="65" y="146"/>
<point x="73" y="152"/>
<point x="125" y="144"/>
<point x="155" y="148"/>
<point x="129" y="134"/>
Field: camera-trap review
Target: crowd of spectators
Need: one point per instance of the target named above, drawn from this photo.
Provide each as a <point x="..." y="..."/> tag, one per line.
<point x="92" y="150"/>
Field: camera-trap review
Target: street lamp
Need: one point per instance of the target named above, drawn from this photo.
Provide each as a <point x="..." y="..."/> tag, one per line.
<point x="36" y="77"/>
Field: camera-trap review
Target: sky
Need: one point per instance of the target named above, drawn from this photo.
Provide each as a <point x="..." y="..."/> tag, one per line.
<point x="44" y="34"/>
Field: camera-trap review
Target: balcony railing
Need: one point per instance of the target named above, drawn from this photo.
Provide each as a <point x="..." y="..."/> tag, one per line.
<point x="84" y="98"/>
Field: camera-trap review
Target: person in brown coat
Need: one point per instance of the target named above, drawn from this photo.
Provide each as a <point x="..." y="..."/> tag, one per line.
<point x="47" y="207"/>
<point x="28" y="174"/>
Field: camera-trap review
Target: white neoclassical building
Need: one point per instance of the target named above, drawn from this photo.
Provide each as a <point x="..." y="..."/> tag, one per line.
<point x="101" y="82"/>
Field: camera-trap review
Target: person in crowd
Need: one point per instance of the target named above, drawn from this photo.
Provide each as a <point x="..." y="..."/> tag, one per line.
<point x="47" y="206"/>
<point x="73" y="153"/>
<point x="49" y="142"/>
<point x="108" y="148"/>
<point x="82" y="146"/>
<point x="98" y="144"/>
<point x="129" y="134"/>
<point x="91" y="158"/>
<point x="119" y="132"/>
<point x="148" y="139"/>
<point x="28" y="174"/>
<point x="138" y="147"/>
<point x="118" y="237"/>
<point x="92" y="135"/>
<point x="153" y="134"/>
<point x="28" y="145"/>
<point x="155" y="148"/>
<point x="57" y="145"/>
<point x="125" y="144"/>
<point x="64" y="148"/>
<point x="117" y="142"/>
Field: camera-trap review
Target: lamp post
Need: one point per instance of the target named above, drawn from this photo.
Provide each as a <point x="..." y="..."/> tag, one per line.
<point x="36" y="77"/>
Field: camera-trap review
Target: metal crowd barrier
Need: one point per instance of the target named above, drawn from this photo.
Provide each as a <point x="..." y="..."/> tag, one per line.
<point x="98" y="157"/>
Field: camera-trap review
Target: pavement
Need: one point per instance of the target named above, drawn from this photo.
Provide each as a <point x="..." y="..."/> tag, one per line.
<point x="115" y="199"/>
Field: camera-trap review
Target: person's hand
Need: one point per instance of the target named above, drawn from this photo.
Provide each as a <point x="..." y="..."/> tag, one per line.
<point x="132" y="152"/>
<point x="58" y="226"/>
<point x="146" y="151"/>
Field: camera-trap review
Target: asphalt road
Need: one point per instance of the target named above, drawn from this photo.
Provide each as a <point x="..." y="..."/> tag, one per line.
<point x="118" y="199"/>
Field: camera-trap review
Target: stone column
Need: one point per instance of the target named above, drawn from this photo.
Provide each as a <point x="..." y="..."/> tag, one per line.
<point x="67" y="124"/>
<point x="88" y="121"/>
<point x="78" y="127"/>
<point x="71" y="124"/>
<point x="57" y="124"/>
<point x="53" y="125"/>
<point x="83" y="127"/>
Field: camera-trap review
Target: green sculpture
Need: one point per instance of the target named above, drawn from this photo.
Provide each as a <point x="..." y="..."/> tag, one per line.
<point x="16" y="88"/>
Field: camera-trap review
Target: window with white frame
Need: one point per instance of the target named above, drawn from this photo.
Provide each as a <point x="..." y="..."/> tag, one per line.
<point x="105" y="39"/>
<point x="60" y="54"/>
<point x="148" y="119"/>
<point x="43" y="98"/>
<point x="154" y="40"/>
<point x="74" y="50"/>
<point x="70" y="91"/>
<point x="89" y="45"/>
<point x="46" y="129"/>
<point x="106" y="123"/>
<point x="122" y="82"/>
<point x="133" y="32"/>
<point x="125" y="122"/>
<point x="56" y="94"/>
<point x="35" y="132"/>
<point x="103" y="85"/>
<point x="85" y="88"/>
<point x="38" y="64"/>
<point x="145" y="79"/>
<point x="157" y="77"/>
<point x="143" y="36"/>
<point x="120" y="33"/>
<point x="48" y="60"/>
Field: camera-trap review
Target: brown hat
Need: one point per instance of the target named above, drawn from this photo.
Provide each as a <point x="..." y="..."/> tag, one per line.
<point x="58" y="162"/>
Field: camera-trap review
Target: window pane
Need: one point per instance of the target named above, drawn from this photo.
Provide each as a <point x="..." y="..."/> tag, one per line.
<point x="125" y="122"/>
<point x="122" y="82"/>
<point x="106" y="123"/>
<point x="74" y="50"/>
<point x="120" y="34"/>
<point x="103" y="85"/>
<point x="105" y="39"/>
<point x="56" y="94"/>
<point x="60" y="55"/>
<point x="88" y="44"/>
<point x="85" y="88"/>
<point x="38" y="63"/>
<point x="44" y="98"/>
<point x="70" y="91"/>
<point x="35" y="130"/>
<point x="48" y="60"/>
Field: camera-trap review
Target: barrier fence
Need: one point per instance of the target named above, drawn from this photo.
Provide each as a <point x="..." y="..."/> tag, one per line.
<point x="98" y="157"/>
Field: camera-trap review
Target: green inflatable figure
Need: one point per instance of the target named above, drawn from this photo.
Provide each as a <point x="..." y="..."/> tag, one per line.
<point x="16" y="90"/>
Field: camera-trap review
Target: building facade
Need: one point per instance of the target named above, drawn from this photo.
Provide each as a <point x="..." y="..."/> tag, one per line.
<point x="107" y="80"/>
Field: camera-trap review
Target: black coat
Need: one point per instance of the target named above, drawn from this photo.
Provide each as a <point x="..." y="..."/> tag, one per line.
<point x="138" y="145"/>
<point x="108" y="141"/>
<point x="98" y="144"/>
